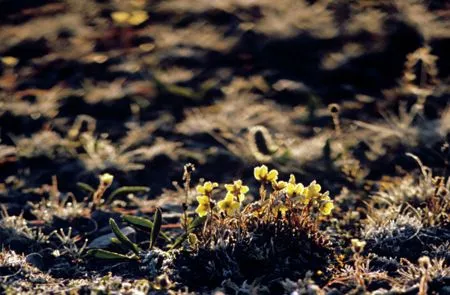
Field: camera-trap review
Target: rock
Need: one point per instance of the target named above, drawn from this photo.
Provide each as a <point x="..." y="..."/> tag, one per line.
<point x="36" y="260"/>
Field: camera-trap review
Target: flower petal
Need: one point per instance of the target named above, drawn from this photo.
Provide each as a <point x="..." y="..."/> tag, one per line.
<point x="229" y="197"/>
<point x="241" y="198"/>
<point x="292" y="179"/>
<point x="299" y="189"/>
<point x="264" y="170"/>
<point x="200" y="189"/>
<point x="202" y="210"/>
<point x="222" y="204"/>
<point x="272" y="175"/>
<point x="203" y="200"/>
<point x="257" y="173"/>
<point x="290" y="189"/>
<point x="208" y="186"/>
<point x="229" y="187"/>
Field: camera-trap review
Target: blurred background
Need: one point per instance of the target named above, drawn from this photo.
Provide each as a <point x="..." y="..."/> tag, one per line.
<point x="139" y="88"/>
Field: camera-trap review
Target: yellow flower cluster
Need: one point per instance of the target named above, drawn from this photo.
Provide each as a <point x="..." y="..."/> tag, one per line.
<point x="204" y="203"/>
<point x="297" y="193"/>
<point x="229" y="205"/>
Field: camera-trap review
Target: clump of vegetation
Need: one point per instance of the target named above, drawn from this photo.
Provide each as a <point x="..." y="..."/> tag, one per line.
<point x="275" y="236"/>
<point x="403" y="237"/>
<point x="413" y="212"/>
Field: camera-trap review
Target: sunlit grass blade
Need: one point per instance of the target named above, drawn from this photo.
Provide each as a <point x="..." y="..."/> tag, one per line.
<point x="86" y="187"/>
<point x="127" y="190"/>
<point x="123" y="238"/>
<point x="144" y="224"/>
<point x="157" y="221"/>
<point x="108" y="255"/>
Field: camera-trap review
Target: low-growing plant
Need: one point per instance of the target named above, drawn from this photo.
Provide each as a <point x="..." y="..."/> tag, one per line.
<point x="69" y="243"/>
<point x="233" y="239"/>
<point x="15" y="228"/>
<point x="67" y="207"/>
<point x="244" y="241"/>
<point x="106" y="181"/>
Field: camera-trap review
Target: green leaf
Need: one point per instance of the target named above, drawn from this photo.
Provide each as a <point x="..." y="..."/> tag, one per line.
<point x="157" y="221"/>
<point x="198" y="221"/>
<point x="123" y="238"/>
<point x="143" y="224"/>
<point x="103" y="254"/>
<point x="181" y="91"/>
<point x="86" y="187"/>
<point x="139" y="222"/>
<point x="127" y="190"/>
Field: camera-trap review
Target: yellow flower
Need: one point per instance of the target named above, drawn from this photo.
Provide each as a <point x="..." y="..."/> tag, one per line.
<point x="326" y="207"/>
<point x="237" y="189"/>
<point x="312" y="191"/>
<point x="229" y="205"/>
<point x="9" y="61"/>
<point x="106" y="179"/>
<point x="263" y="174"/>
<point x="294" y="190"/>
<point x="279" y="185"/>
<point x="137" y="17"/>
<point x="120" y="17"/>
<point x="207" y="187"/>
<point x="134" y="18"/>
<point x="260" y="172"/>
<point x="358" y="245"/>
<point x="203" y="205"/>
<point x="272" y="175"/>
